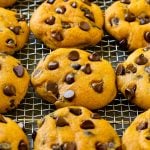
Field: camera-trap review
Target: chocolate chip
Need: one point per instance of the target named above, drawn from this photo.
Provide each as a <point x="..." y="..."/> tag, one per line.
<point x="68" y="146"/>
<point x="74" y="4"/>
<point x="75" y="111"/>
<point x="37" y="73"/>
<point x="130" y="92"/>
<point x="146" y="48"/>
<point x="147" y="36"/>
<point x="5" y="146"/>
<point x="53" y="65"/>
<point x="22" y="145"/>
<point x="61" y="122"/>
<point x="50" y="1"/>
<point x="147" y="69"/>
<point x="86" y="2"/>
<point x="94" y="57"/>
<point x="69" y="95"/>
<point x="52" y="87"/>
<point x="114" y="21"/>
<point x="19" y="71"/>
<point x="16" y="29"/>
<point x="87" y="124"/>
<point x="10" y="43"/>
<point x="110" y="145"/>
<point x="124" y="43"/>
<point x="20" y="17"/>
<point x="84" y="26"/>
<point x="9" y="90"/>
<point x="76" y="66"/>
<point x="148" y="1"/>
<point x="57" y="35"/>
<point x="141" y="60"/>
<point x="131" y="68"/>
<point x="120" y="70"/>
<point x="69" y="79"/>
<point x="2" y="119"/>
<point x="95" y="116"/>
<point x="130" y="17"/>
<point x="56" y="147"/>
<point x="86" y="69"/>
<point x="73" y="55"/>
<point x="125" y="1"/>
<point x="60" y="10"/>
<point x="50" y="20"/>
<point x="34" y="135"/>
<point x="97" y="86"/>
<point x="142" y="126"/>
<point x="65" y="25"/>
<point x="144" y="20"/>
<point x="100" y="146"/>
<point x="147" y="137"/>
<point x="12" y="103"/>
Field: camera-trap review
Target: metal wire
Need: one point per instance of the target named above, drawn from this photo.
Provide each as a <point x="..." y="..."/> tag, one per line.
<point x="119" y="113"/>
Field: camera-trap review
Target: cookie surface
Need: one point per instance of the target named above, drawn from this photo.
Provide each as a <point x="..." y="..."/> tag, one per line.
<point x="14" y="82"/>
<point x="6" y="3"/>
<point x="133" y="77"/>
<point x="66" y="75"/>
<point x="137" y="136"/>
<point x="14" y="31"/>
<point x="63" y="23"/>
<point x="130" y="24"/>
<point x="75" y="128"/>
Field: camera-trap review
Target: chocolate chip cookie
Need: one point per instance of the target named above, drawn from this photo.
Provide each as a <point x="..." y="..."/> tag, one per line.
<point x="129" y="22"/>
<point x="133" y="77"/>
<point x="14" y="81"/>
<point x="137" y="135"/>
<point x="67" y="23"/>
<point x="12" y="137"/>
<point x="14" y="31"/>
<point x="75" y="77"/>
<point x="75" y="128"/>
<point x="6" y="3"/>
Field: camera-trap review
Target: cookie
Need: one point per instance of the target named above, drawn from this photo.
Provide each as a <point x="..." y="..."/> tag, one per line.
<point x="14" y="81"/>
<point x="137" y="135"/>
<point x="133" y="77"/>
<point x="67" y="23"/>
<point x="129" y="22"/>
<point x="75" y="77"/>
<point x="14" y="31"/>
<point x="6" y="3"/>
<point x="75" y="128"/>
<point x="12" y="137"/>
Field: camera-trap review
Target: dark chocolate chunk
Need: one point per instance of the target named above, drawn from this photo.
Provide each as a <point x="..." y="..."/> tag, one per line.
<point x="19" y="71"/>
<point x="2" y="119"/>
<point x="74" y="4"/>
<point x="50" y="1"/>
<point x="73" y="55"/>
<point x="131" y="68"/>
<point x="9" y="90"/>
<point x="34" y="135"/>
<point x="69" y="95"/>
<point x="75" y="111"/>
<point x="57" y="35"/>
<point x="147" y="69"/>
<point x="22" y="145"/>
<point x="10" y="43"/>
<point x="37" y="73"/>
<point x="60" y="10"/>
<point x="50" y="20"/>
<point x="68" y="146"/>
<point x="87" y="124"/>
<point x="65" y="25"/>
<point x="95" y="116"/>
<point x="5" y="146"/>
<point x="97" y="86"/>
<point x="84" y="26"/>
<point x="87" y="2"/>
<point x="147" y="36"/>
<point x="53" y="87"/>
<point x="61" y="122"/>
<point x="114" y="21"/>
<point x="94" y="57"/>
<point x="100" y="146"/>
<point x="141" y="60"/>
<point x="69" y="79"/>
<point x="130" y="92"/>
<point x="15" y="29"/>
<point x="86" y="69"/>
<point x="130" y="17"/>
<point x="20" y="17"/>
<point x="76" y="66"/>
<point x="142" y="126"/>
<point x="120" y="70"/>
<point x="53" y="65"/>
<point x="56" y="147"/>
<point x="125" y="1"/>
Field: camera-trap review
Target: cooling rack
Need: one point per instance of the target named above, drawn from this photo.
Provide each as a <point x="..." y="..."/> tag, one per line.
<point x="119" y="113"/>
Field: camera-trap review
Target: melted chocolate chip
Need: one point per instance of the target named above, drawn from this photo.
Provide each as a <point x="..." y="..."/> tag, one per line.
<point x="120" y="70"/>
<point x="73" y="55"/>
<point x="65" y="25"/>
<point x="130" y="92"/>
<point x="131" y="68"/>
<point x="147" y="36"/>
<point x="141" y="60"/>
<point x="53" y="87"/>
<point x="95" y="116"/>
<point x="37" y="73"/>
<point x="2" y="119"/>
<point x="53" y="65"/>
<point x="87" y="124"/>
<point x="19" y="71"/>
<point x="74" y="4"/>
<point x="34" y="135"/>
<point x="69" y="95"/>
<point x="50" y="1"/>
<point x="125" y="1"/>
<point x="56" y="147"/>
<point x="94" y="57"/>
<point x="84" y="26"/>
<point x="144" y="20"/>
<point x="9" y="90"/>
<point x="97" y="86"/>
<point x="142" y="126"/>
<point x="100" y="146"/>
<point x="5" y="146"/>
<point x="86" y="69"/>
<point x="61" y="122"/>
<point x="16" y="29"/>
<point x="75" y="111"/>
<point x="114" y="21"/>
<point x="147" y="69"/>
<point x="57" y="35"/>
<point x="22" y="145"/>
<point x="86" y="2"/>
<point x="130" y="17"/>
<point x="69" y="79"/>
<point x="50" y="20"/>
<point x="10" y="43"/>
<point x="68" y="146"/>
<point x="60" y="10"/>
<point x="76" y="66"/>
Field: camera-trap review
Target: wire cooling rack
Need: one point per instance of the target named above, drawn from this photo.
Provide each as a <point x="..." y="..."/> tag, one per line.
<point x="119" y="113"/>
